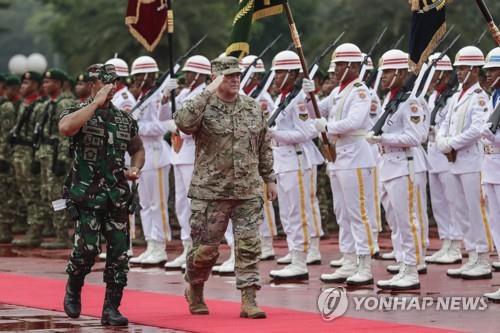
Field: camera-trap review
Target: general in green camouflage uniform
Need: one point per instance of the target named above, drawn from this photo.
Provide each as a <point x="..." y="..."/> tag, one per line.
<point x="53" y="153"/>
<point x="97" y="191"/>
<point x="233" y="156"/>
<point x="9" y="204"/>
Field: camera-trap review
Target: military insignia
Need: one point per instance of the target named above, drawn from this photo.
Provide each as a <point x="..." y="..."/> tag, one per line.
<point x="415" y="119"/>
<point x="478" y="90"/>
<point x="124" y="95"/>
<point x="80" y="78"/>
<point x="414" y="108"/>
<point x="303" y="116"/>
<point x="48" y="74"/>
<point x="358" y="84"/>
<point x="482" y="102"/>
<point x="27" y="75"/>
<point x="362" y="95"/>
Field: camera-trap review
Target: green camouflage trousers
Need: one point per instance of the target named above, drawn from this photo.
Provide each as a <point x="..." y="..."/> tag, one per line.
<point x="51" y="187"/>
<point x="28" y="185"/>
<point x="9" y="203"/>
<point x="209" y="219"/>
<point x="113" y="224"/>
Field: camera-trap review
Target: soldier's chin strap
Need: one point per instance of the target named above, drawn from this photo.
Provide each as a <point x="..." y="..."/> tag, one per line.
<point x="143" y="81"/>
<point x="345" y="72"/>
<point x="467" y="76"/>
<point x="495" y="82"/>
<point x="439" y="79"/>
<point x="284" y="80"/>
<point x="192" y="84"/>
<point x="393" y="79"/>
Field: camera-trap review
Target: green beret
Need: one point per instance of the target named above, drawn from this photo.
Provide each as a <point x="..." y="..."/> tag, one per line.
<point x="35" y="76"/>
<point x="55" y="74"/>
<point x="82" y="77"/>
<point x="225" y="66"/>
<point x="12" y="80"/>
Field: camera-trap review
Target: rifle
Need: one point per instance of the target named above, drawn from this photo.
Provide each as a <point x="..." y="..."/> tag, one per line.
<point x="298" y="84"/>
<point x="396" y="44"/>
<point x="245" y="76"/>
<point x="405" y="92"/>
<point x="133" y="204"/>
<point x="146" y="100"/>
<point x="370" y="52"/>
<point x="495" y="33"/>
<point x="495" y="119"/>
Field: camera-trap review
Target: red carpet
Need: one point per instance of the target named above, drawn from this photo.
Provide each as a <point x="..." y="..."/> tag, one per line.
<point x="168" y="311"/>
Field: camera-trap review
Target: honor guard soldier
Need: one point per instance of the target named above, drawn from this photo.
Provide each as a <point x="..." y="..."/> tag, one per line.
<point x="82" y="87"/>
<point x="347" y="111"/>
<point x="97" y="193"/>
<point x="439" y="174"/>
<point x="153" y="186"/>
<point x="402" y="135"/>
<point x="491" y="163"/>
<point x="123" y="98"/>
<point x="459" y="138"/>
<point x="233" y="156"/>
<point x="196" y="71"/>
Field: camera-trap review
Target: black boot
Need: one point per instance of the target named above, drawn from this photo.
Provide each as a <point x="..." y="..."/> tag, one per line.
<point x="72" y="299"/>
<point x="110" y="314"/>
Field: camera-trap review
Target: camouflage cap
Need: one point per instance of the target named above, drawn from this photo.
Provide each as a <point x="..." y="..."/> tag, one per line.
<point x="35" y="76"/>
<point x="12" y="80"/>
<point x="106" y="73"/>
<point x="55" y="74"/>
<point x="225" y="66"/>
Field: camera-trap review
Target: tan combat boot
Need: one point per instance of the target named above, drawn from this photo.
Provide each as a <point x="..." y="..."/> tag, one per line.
<point x="249" y="308"/>
<point x="194" y="296"/>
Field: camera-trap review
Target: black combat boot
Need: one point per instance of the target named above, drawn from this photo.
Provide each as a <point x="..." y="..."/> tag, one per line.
<point x="110" y="314"/>
<point x="72" y="298"/>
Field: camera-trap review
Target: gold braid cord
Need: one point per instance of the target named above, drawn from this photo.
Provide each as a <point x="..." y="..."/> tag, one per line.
<point x="244" y="11"/>
<point x="415" y="68"/>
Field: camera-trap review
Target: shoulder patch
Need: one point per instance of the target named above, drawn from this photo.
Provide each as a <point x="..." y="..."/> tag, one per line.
<point x="124" y="95"/>
<point x="414" y="108"/>
<point x="415" y="119"/>
<point x="482" y="102"/>
<point x="478" y="90"/>
<point x="358" y="84"/>
<point x="362" y="94"/>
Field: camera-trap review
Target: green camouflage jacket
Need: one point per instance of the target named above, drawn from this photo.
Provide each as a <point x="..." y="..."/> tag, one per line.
<point x="233" y="150"/>
<point x="97" y="172"/>
<point x="8" y="113"/>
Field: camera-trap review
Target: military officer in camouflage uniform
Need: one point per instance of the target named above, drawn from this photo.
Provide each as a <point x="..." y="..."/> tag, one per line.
<point x="233" y="157"/>
<point x="97" y="191"/>
<point x="8" y="206"/>
<point x="26" y="170"/>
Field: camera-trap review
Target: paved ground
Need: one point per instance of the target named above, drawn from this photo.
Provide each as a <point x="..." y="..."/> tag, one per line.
<point x="301" y="296"/>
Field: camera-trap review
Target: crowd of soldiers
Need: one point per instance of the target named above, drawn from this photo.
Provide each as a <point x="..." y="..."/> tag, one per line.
<point x="453" y="153"/>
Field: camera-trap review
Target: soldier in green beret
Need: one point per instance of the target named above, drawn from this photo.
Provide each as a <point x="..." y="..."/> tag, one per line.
<point x="97" y="193"/>
<point x="233" y="157"/>
<point x="82" y="87"/>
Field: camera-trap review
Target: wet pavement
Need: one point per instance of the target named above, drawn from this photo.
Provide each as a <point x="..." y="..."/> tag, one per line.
<point x="298" y="296"/>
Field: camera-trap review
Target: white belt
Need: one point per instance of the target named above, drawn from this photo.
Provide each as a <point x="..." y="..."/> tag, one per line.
<point x="490" y="150"/>
<point x="351" y="137"/>
<point x="388" y="149"/>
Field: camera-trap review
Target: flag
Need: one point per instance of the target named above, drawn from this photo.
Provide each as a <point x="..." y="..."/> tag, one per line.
<point x="147" y="20"/>
<point x="248" y="12"/>
<point x="428" y="26"/>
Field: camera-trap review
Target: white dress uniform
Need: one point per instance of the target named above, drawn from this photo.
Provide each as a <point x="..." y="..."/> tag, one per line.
<point x="153" y="184"/>
<point x="351" y="176"/>
<point x="123" y="99"/>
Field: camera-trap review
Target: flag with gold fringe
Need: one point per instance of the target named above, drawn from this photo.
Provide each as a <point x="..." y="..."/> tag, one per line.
<point x="248" y="12"/>
<point x="428" y="26"/>
<point x="148" y="20"/>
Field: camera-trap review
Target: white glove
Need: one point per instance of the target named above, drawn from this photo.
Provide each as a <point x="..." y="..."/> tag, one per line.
<point x="443" y="145"/>
<point x="308" y="86"/>
<point x="372" y="138"/>
<point x="170" y="84"/>
<point x="212" y="87"/>
<point x="320" y="124"/>
<point x="171" y="126"/>
<point x="486" y="133"/>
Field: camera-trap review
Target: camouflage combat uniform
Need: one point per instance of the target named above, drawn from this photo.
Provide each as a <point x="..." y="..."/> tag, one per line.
<point x="97" y="189"/>
<point x="233" y="156"/>
<point x="54" y="159"/>
<point x="8" y="206"/>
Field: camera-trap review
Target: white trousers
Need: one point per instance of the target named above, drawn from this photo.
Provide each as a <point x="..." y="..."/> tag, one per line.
<point x="399" y="196"/>
<point x="183" y="174"/>
<point x="471" y="212"/>
<point x="353" y="200"/>
<point x="295" y="209"/>
<point x="421" y="207"/>
<point x="492" y="194"/>
<point x="153" y="196"/>
<point x="317" y="230"/>
<point x="441" y="200"/>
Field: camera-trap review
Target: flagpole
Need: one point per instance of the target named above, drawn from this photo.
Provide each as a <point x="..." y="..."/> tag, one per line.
<point x="170" y="34"/>
<point x="489" y="19"/>
<point x="328" y="150"/>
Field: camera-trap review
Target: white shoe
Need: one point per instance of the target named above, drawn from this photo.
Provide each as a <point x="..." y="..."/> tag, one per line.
<point x="452" y="256"/>
<point x="297" y="270"/>
<point x="388" y="256"/>
<point x="480" y="270"/>
<point x="137" y="260"/>
<point x="157" y="256"/>
<point x="444" y="248"/>
<point x="337" y="262"/>
<point x="266" y="248"/>
<point x="227" y="267"/>
<point x="363" y="275"/>
<point x="457" y="272"/>
<point x="408" y="279"/>
<point x="346" y="270"/>
<point x="496" y="266"/>
<point x="313" y="255"/>
<point x="384" y="284"/>
<point x="493" y="297"/>
<point x="181" y="259"/>
<point x="285" y="260"/>
<point x="102" y="256"/>
<point x="394" y="269"/>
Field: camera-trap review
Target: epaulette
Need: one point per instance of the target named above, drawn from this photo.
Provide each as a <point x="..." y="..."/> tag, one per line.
<point x="358" y="84"/>
<point x="478" y="90"/>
